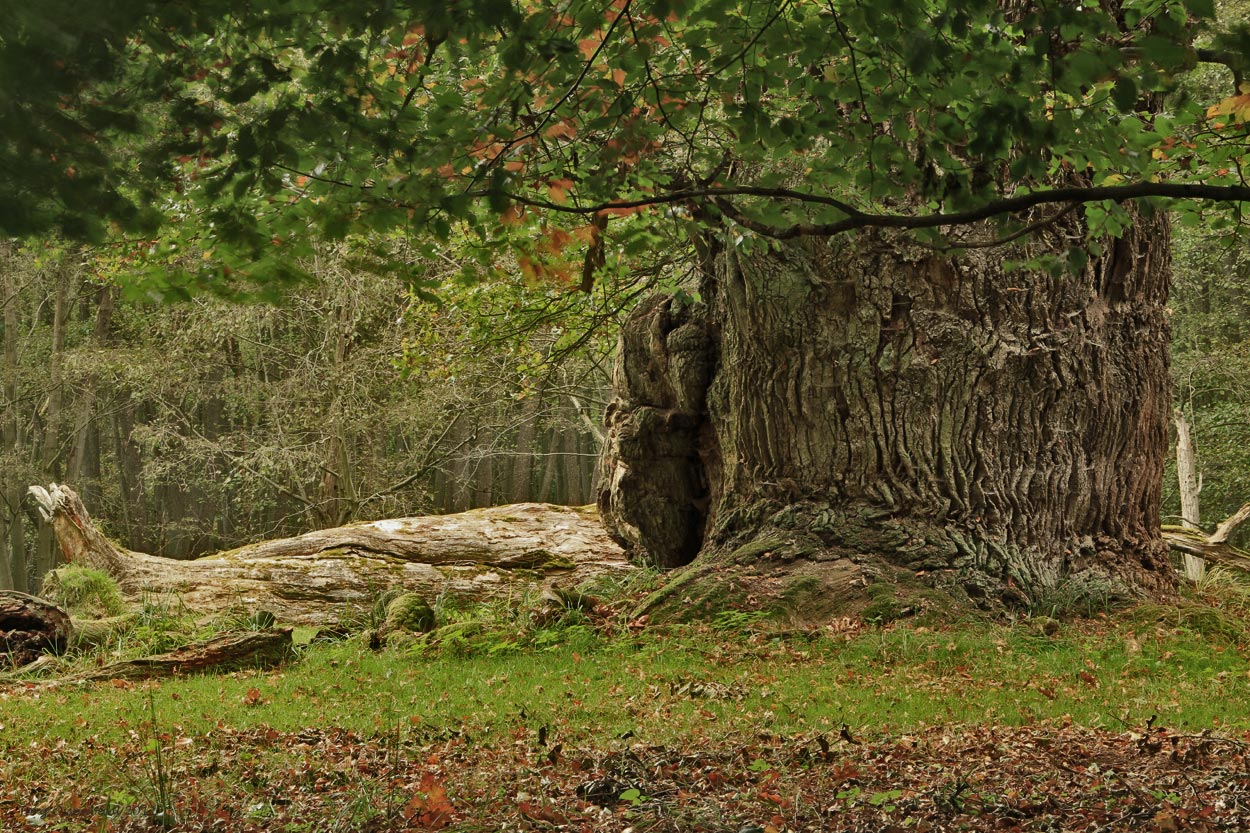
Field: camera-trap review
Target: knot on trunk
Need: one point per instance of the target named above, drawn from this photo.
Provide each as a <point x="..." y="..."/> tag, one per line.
<point x="653" y="493"/>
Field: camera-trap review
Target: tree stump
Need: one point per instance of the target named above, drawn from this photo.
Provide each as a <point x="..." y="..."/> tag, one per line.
<point x="29" y="627"/>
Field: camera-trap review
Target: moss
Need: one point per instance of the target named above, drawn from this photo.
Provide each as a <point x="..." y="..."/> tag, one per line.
<point x="455" y="638"/>
<point x="409" y="613"/>
<point x="85" y="592"/>
<point x="660" y="599"/>
<point x="885" y="606"/>
<point x="775" y="548"/>
<point x="801" y="587"/>
<point x="752" y="551"/>
<point x="697" y="594"/>
<point x="89" y="633"/>
<point x="882" y="611"/>
<point x="401" y="640"/>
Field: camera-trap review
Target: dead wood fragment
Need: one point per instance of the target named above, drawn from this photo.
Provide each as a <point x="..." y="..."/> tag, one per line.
<point x="1230" y="523"/>
<point x="227" y="652"/>
<point x="30" y="626"/>
<point x="1195" y="542"/>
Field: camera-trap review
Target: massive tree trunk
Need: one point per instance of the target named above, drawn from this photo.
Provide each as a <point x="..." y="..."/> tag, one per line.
<point x="504" y="551"/>
<point x="862" y="409"/>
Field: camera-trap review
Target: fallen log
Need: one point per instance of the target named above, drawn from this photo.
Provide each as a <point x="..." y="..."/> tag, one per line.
<point x="29" y="627"/>
<point x="503" y="551"/>
<point x="226" y="652"/>
<point x="1196" y="543"/>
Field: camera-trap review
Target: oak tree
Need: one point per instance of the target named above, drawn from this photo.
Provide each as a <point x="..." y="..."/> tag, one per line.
<point x="925" y="333"/>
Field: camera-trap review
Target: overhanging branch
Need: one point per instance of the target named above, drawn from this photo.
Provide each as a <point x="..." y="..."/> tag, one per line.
<point x="857" y="219"/>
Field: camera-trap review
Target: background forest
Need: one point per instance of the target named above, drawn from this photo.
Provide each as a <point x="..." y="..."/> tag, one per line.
<point x="199" y="426"/>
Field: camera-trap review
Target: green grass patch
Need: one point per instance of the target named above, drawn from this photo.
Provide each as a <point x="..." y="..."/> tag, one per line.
<point x="668" y="685"/>
<point x="488" y="675"/>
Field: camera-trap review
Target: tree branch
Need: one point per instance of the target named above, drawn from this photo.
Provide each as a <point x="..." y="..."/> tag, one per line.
<point x="1007" y="205"/>
<point x="1230" y="523"/>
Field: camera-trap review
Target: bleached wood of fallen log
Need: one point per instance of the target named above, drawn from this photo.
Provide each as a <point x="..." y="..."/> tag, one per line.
<point x="1214" y="547"/>
<point x="500" y="552"/>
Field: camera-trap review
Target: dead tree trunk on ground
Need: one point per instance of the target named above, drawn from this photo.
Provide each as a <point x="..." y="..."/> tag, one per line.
<point x="227" y="652"/>
<point x="486" y="553"/>
<point x="29" y="626"/>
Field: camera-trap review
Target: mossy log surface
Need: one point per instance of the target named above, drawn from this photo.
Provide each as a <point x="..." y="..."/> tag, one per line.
<point x="310" y="579"/>
<point x="226" y="652"/>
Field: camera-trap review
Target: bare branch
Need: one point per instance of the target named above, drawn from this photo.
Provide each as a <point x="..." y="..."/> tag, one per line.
<point x="1230" y="523"/>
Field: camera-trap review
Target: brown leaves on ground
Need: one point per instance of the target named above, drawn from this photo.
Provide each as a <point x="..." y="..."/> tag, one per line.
<point x="973" y="778"/>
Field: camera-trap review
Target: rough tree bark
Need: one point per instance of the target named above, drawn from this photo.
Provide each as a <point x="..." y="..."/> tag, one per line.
<point x="310" y="579"/>
<point x="835" y="413"/>
<point x="29" y="626"/>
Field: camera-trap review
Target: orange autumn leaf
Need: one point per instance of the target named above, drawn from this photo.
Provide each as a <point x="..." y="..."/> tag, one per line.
<point x="512" y="215"/>
<point x="542" y="813"/>
<point x="621" y="211"/>
<point x="530" y="270"/>
<point x="557" y="240"/>
<point x="414" y="34"/>
<point x="558" y="190"/>
<point x="429" y="808"/>
<point x="516" y="165"/>
<point x="1237" y="106"/>
<point x="561" y="130"/>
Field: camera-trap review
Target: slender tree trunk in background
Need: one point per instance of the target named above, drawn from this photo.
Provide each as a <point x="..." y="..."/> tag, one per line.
<point x="1190" y="486"/>
<point x="50" y="446"/>
<point x="521" y="487"/>
<point x="83" y="468"/>
<point x="6" y="569"/>
<point x="571" y="464"/>
<point x="46" y="551"/>
<point x="130" y="477"/>
<point x="14" y="576"/>
<point x="870" y="410"/>
<point x="548" y="440"/>
<point x="484" y="481"/>
<point x="460" y="474"/>
<point x="336" y="491"/>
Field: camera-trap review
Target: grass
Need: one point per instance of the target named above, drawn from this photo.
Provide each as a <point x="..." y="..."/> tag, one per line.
<point x="590" y="682"/>
<point x="667" y="685"/>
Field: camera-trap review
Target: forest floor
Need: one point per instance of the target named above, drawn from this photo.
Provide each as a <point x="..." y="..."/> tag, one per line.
<point x="1138" y="720"/>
